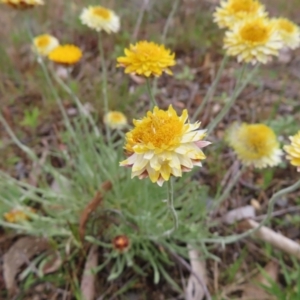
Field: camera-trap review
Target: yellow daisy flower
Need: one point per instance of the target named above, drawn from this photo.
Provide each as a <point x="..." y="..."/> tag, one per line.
<point x="232" y="11"/>
<point x="115" y="120"/>
<point x="253" y="40"/>
<point x="254" y="144"/>
<point x="18" y="215"/>
<point x="23" y="4"/>
<point x="162" y="144"/>
<point x="65" y="55"/>
<point x="44" y="44"/>
<point x="288" y="31"/>
<point x="147" y="59"/>
<point x="293" y="150"/>
<point x="100" y="18"/>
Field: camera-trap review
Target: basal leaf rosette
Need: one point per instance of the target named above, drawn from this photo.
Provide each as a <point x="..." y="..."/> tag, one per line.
<point x="293" y="150"/>
<point x="289" y="32"/>
<point x="255" y="144"/>
<point x="163" y="144"/>
<point x="232" y="11"/>
<point x="23" y="4"/>
<point x="147" y="59"/>
<point x="44" y="44"/>
<point x="253" y="40"/>
<point x="100" y="18"/>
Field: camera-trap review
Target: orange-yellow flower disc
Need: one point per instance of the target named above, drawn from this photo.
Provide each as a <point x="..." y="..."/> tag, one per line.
<point x="147" y="59"/>
<point x="163" y="144"/>
<point x="293" y="150"/>
<point x="65" y="55"/>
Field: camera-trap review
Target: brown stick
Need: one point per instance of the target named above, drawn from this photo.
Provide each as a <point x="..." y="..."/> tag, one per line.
<point x="91" y="206"/>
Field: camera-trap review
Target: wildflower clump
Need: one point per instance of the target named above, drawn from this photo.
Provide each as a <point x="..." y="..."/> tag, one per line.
<point x="163" y="144"/>
<point x="147" y="59"/>
<point x="293" y="150"/>
<point x="232" y="11"/>
<point x="254" y="144"/>
<point x="65" y="55"/>
<point x="289" y="32"/>
<point x="23" y="4"/>
<point x="44" y="44"/>
<point x="100" y="18"/>
<point x="253" y="40"/>
<point x="115" y="120"/>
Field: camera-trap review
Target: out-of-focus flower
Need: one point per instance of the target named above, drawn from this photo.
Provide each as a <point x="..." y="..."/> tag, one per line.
<point x="293" y="150"/>
<point x="65" y="55"/>
<point x="253" y="40"/>
<point x="115" y="120"/>
<point x="147" y="59"/>
<point x="232" y="11"/>
<point x="121" y="243"/>
<point x="18" y="215"/>
<point x="254" y="144"/>
<point x="23" y="4"/>
<point x="162" y="144"/>
<point x="44" y="44"/>
<point x="288" y="31"/>
<point x="100" y="18"/>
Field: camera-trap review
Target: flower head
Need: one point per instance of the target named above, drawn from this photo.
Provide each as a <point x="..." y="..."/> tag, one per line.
<point x="254" y="144"/>
<point x="289" y="32"/>
<point x="65" y="55"/>
<point x="232" y="11"/>
<point x="293" y="150"/>
<point x="18" y="215"/>
<point x="115" y="120"/>
<point x="253" y="40"/>
<point x="23" y="4"/>
<point x="100" y="18"/>
<point x="147" y="59"/>
<point x="44" y="44"/>
<point x="121" y="243"/>
<point x="162" y="144"/>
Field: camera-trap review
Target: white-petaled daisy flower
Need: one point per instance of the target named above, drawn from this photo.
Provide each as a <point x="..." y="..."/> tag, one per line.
<point x="293" y="150"/>
<point x="232" y="11"/>
<point x="289" y="32"/>
<point x="100" y="18"/>
<point x="253" y="40"/>
<point x="44" y="44"/>
<point x="115" y="120"/>
<point x="255" y="144"/>
<point x="163" y="144"/>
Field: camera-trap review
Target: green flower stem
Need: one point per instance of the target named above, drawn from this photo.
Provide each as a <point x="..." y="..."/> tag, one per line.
<point x="170" y="202"/>
<point x="153" y="101"/>
<point x="237" y="91"/>
<point x="272" y="201"/>
<point x="104" y="86"/>
<point x="228" y="188"/>
<point x="169" y="19"/>
<point x="211" y="90"/>
<point x="81" y="108"/>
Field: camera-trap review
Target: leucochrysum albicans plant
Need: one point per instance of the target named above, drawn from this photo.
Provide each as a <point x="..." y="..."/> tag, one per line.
<point x="162" y="148"/>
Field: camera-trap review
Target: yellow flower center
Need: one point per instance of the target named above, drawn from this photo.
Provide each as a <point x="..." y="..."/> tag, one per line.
<point x="159" y="129"/>
<point x="43" y="41"/>
<point x="249" y="6"/>
<point x="116" y="117"/>
<point x="286" y="25"/>
<point x="258" y="139"/>
<point x="101" y="12"/>
<point x="255" y="32"/>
